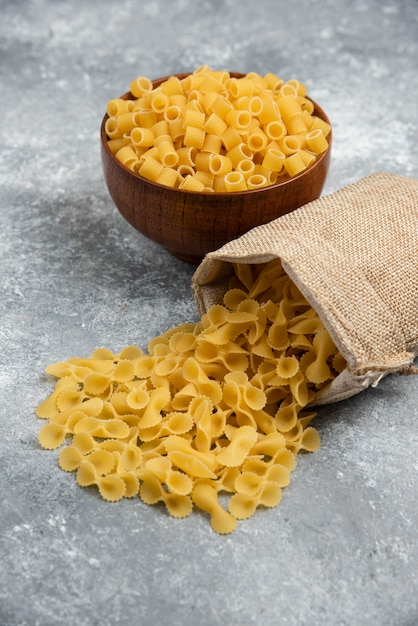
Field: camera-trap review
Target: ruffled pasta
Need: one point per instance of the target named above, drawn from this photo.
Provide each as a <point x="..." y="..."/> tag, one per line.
<point x="211" y="409"/>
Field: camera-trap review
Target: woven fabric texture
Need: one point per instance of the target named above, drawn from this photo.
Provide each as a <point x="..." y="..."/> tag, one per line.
<point x="354" y="256"/>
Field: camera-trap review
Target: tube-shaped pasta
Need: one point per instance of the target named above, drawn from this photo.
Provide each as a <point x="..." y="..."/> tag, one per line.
<point x="230" y="138"/>
<point x="117" y="106"/>
<point x="194" y="137"/>
<point x="219" y="165"/>
<point x="140" y="86"/>
<point x="146" y="118"/>
<point x="160" y="128"/>
<point x="127" y="121"/>
<point x="112" y="128"/>
<point x="187" y="155"/>
<point x="257" y="140"/>
<point x="289" y="107"/>
<point x="301" y="89"/>
<point x="150" y="168"/>
<point x="212" y="143"/>
<point x="288" y="90"/>
<point x="172" y="112"/>
<point x="271" y="175"/>
<point x="221" y="106"/>
<point x="275" y="130"/>
<point x="184" y="170"/>
<point x="270" y="112"/>
<point x="257" y="181"/>
<point x="246" y="167"/>
<point x="238" y="153"/>
<point x="296" y="124"/>
<point x="126" y="155"/>
<point x="143" y="137"/>
<point x="210" y="84"/>
<point x="235" y="181"/>
<point x="294" y="164"/>
<point x="307" y="157"/>
<point x="176" y="129"/>
<point x="273" y="160"/>
<point x="205" y="177"/>
<point x="207" y="100"/>
<point x="194" y="118"/>
<point x="289" y="144"/>
<point x="167" y="154"/>
<point x="172" y="86"/>
<point x="159" y="101"/>
<point x="273" y="82"/>
<point x="318" y="123"/>
<point x="316" y="140"/>
<point x="191" y="183"/>
<point x="116" y="144"/>
<point x="239" y="87"/>
<point x="215" y="125"/>
<point x="238" y="119"/>
<point x="202" y="161"/>
<point x="219" y="184"/>
<point x="255" y="105"/>
<point x="259" y="81"/>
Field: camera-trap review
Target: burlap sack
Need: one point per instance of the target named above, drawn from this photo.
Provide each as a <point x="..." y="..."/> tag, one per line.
<point x="354" y="256"/>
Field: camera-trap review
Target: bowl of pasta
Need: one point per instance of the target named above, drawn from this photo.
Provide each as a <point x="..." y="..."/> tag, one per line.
<point x="195" y="160"/>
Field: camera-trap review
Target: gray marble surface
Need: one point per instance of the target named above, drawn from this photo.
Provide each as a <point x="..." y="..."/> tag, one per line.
<point x="341" y="549"/>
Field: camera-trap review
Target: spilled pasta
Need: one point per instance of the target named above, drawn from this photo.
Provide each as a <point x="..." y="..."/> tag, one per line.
<point x="212" y="416"/>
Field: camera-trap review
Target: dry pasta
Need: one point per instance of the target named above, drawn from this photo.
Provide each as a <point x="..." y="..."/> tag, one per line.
<point x="212" y="113"/>
<point x="214" y="407"/>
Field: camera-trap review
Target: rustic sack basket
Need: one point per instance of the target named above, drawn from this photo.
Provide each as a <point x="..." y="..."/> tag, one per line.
<point x="354" y="256"/>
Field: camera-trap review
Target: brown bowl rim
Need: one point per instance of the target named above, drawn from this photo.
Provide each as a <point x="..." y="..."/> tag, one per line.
<point x="157" y="81"/>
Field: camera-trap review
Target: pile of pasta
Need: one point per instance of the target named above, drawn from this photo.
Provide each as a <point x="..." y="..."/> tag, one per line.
<point x="213" y="410"/>
<point x="212" y="131"/>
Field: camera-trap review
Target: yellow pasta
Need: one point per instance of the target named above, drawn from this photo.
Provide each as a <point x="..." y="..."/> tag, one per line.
<point x="217" y="406"/>
<point x="168" y="176"/>
<point x="151" y="168"/>
<point x="257" y="181"/>
<point x="213" y="112"/>
<point x="191" y="183"/>
<point x="316" y="140"/>
<point x="143" y="137"/>
<point x="294" y="164"/>
<point x="245" y="167"/>
<point x="274" y="160"/>
<point x="235" y="181"/>
<point x="219" y="165"/>
<point x="140" y="86"/>
<point x="167" y="154"/>
<point x="194" y="137"/>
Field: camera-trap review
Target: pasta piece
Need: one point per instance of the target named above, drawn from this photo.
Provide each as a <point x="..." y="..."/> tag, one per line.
<point x="158" y="400"/>
<point x="241" y="442"/>
<point x="316" y="140"/>
<point x="294" y="164"/>
<point x="205" y="497"/>
<point x="235" y="181"/>
<point x="242" y="506"/>
<point x="140" y="86"/>
<point x="191" y="183"/>
<point x="219" y="165"/>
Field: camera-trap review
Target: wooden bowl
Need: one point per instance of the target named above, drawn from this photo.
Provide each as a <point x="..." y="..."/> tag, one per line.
<point x="191" y="224"/>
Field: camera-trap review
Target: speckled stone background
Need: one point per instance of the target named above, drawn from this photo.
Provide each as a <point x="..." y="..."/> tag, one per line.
<point x="341" y="549"/>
